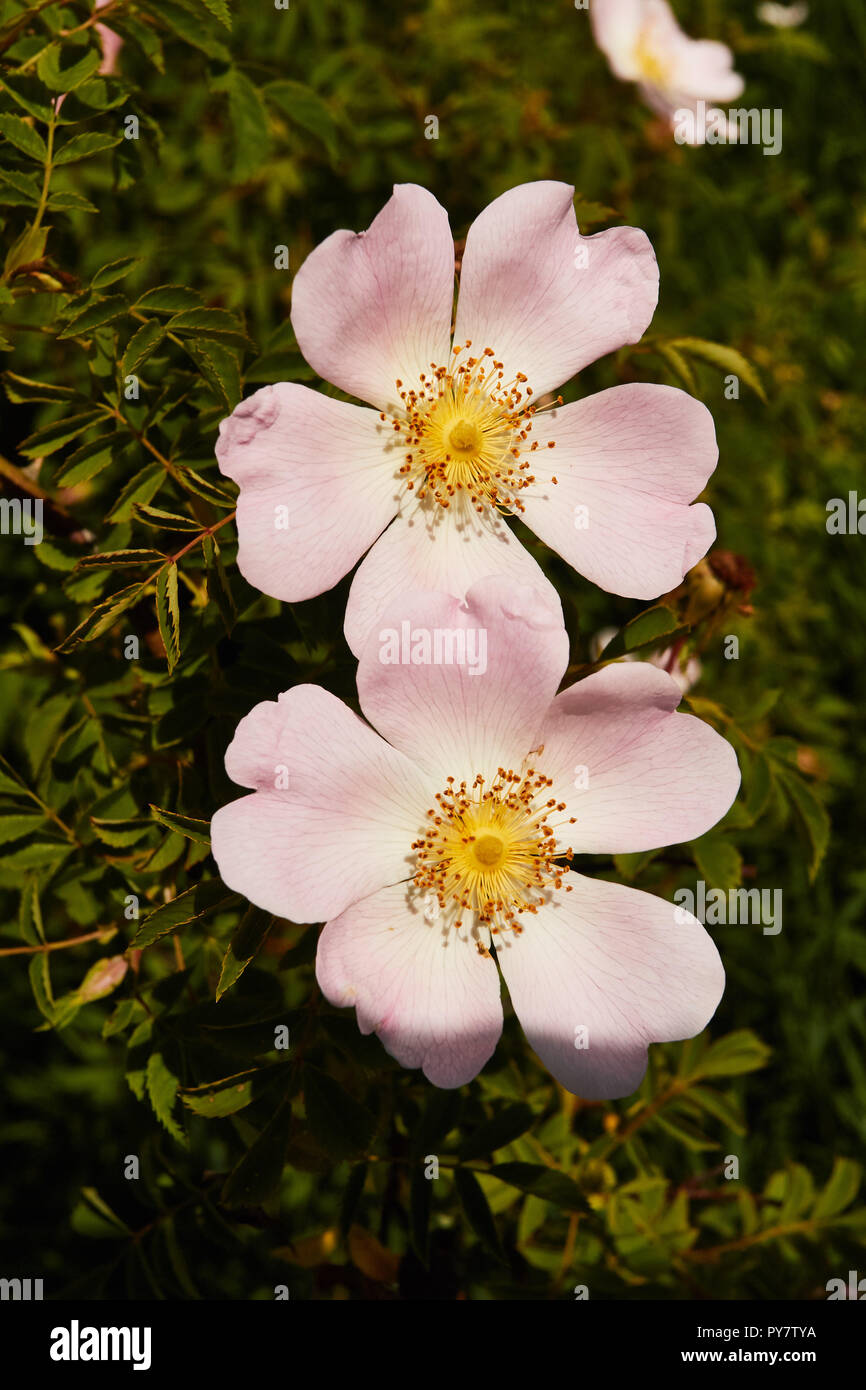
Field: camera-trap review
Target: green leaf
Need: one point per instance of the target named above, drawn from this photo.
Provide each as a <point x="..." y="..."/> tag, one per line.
<point x="22" y="388"/>
<point x="219" y="367"/>
<point x="89" y="460"/>
<point x="168" y="299"/>
<point x="811" y="816"/>
<point x="82" y="146"/>
<point x="15" y="827"/>
<point x="162" y="1087"/>
<point x="217" y="324"/>
<point x="734" y="1055"/>
<point x="505" y="1126"/>
<point x="842" y="1188"/>
<point x="120" y="559"/>
<point x="113" y="271"/>
<point x="727" y="358"/>
<point x="49" y="438"/>
<point x="190" y="28"/>
<point x="93" y="1217"/>
<point x="249" y="123"/>
<point x="168" y="613"/>
<point x="138" y="492"/>
<point x="243" y="947"/>
<point x="67" y="201"/>
<point x="140" y="346"/>
<point x="631" y="865"/>
<point x="653" y="627"/>
<point x="218" y="587"/>
<point x="546" y="1183"/>
<point x="719" y="862"/>
<point x="307" y="109"/>
<point x="23" y="137"/>
<point x="102" y="617"/>
<point x="678" y="365"/>
<point x="66" y="79"/>
<point x="114" y="306"/>
<point x="257" y="1176"/>
<point x="339" y="1123"/>
<point x="163" y="520"/>
<point x="198" y="830"/>
<point x="477" y="1211"/>
<point x="30" y="246"/>
<point x="220" y="9"/>
<point x="25" y="184"/>
<point x="215" y="1102"/>
<point x="40" y="983"/>
<point x="189" y="906"/>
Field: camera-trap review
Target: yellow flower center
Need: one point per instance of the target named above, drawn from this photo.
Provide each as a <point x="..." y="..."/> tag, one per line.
<point x="492" y="850"/>
<point x="465" y="433"/>
<point x="654" y="67"/>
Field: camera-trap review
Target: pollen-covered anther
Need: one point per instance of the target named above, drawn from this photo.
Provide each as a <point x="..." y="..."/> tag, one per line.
<point x="466" y="433"/>
<point x="491" y="850"/>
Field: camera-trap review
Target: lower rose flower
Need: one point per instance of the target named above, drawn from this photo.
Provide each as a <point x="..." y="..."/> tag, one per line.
<point x="439" y="847"/>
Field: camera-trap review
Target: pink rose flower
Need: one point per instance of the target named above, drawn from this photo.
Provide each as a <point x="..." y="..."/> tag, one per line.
<point x="643" y="43"/>
<point x="447" y="834"/>
<point x="456" y="439"/>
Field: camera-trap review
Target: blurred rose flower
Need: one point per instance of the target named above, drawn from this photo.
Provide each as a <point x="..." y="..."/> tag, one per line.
<point x="783" y="16"/>
<point x="111" y="43"/>
<point x="423" y="852"/>
<point x="456" y="440"/>
<point x="644" y="44"/>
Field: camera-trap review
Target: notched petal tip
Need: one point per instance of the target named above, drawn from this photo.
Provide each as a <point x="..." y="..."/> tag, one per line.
<point x="248" y="419"/>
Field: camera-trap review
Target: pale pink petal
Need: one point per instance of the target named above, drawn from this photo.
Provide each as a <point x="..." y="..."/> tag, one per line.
<point x="704" y="68"/>
<point x="462" y="719"/>
<point x="546" y="300"/>
<point x="448" y="551"/>
<point x="616" y="26"/>
<point x="374" y="307"/>
<point x="340" y="829"/>
<point x="423" y="986"/>
<point x="627" y="461"/>
<point x="317" y="481"/>
<point x="635" y="774"/>
<point x="625" y="966"/>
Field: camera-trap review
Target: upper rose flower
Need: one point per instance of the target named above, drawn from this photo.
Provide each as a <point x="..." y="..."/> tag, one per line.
<point x="643" y="43"/>
<point x="456" y="438"/>
<point x="453" y="837"/>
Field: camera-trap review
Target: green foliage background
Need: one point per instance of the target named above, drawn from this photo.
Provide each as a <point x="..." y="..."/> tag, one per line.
<point x="261" y="127"/>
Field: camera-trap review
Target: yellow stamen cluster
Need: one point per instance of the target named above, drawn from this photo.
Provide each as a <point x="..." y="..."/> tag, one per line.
<point x="491" y="849"/>
<point x="466" y="433"/>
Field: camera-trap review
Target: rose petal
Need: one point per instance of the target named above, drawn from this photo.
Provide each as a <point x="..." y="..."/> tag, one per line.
<point x="420" y="984"/>
<point x="462" y="719"/>
<point x="652" y="777"/>
<point x="625" y="966"/>
<point x="341" y="829"/>
<point x="318" y="485"/>
<point x="546" y="300"/>
<point x="448" y="551"/>
<point x="627" y="461"/>
<point x="374" y="307"/>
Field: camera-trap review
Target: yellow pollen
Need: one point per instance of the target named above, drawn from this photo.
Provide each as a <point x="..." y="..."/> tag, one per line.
<point x="465" y="438"/>
<point x="465" y="432"/>
<point x="489" y="850"/>
<point x="492" y="850"/>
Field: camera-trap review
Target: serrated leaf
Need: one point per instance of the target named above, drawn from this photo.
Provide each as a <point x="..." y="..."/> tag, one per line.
<point x="67" y="201"/>
<point x="162" y="1088"/>
<point x="168" y="613"/>
<point x="168" y="299"/>
<point x="243" y="947"/>
<point x="811" y="817"/>
<point x="66" y="79"/>
<point x="339" y="1123"/>
<point x="114" y="271"/>
<point x="739" y="1052"/>
<point x="140" y="346"/>
<point x="104" y="311"/>
<point x="82" y="146"/>
<point x="198" y="830"/>
<point x="102" y="617"/>
<point x="120" y="559"/>
<point x="49" y="438"/>
<point x="163" y="520"/>
<point x="89" y="459"/>
<point x="22" y="388"/>
<point x="15" y="827"/>
<point x="249" y="123"/>
<point x="219" y="367"/>
<point x="190" y="906"/>
<point x="23" y="137"/>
